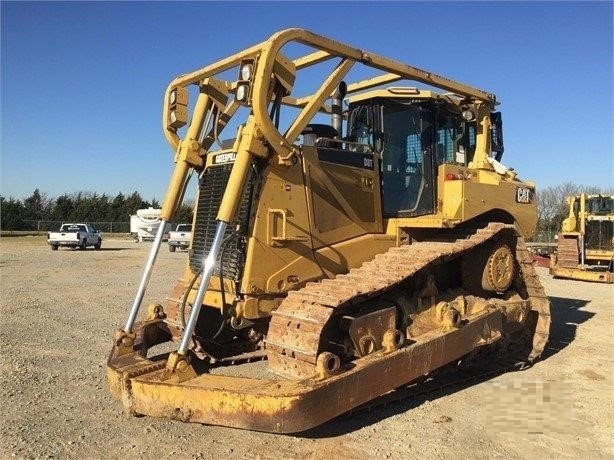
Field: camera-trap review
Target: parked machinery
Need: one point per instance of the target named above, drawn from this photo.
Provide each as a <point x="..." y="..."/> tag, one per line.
<point x="330" y="264"/>
<point x="145" y="224"/>
<point x="585" y="246"/>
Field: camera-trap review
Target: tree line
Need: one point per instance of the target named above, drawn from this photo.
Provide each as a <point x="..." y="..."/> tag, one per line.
<point x="76" y="207"/>
<point x="92" y="207"/>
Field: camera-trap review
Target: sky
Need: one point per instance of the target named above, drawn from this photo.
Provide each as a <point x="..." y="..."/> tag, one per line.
<point x="82" y="84"/>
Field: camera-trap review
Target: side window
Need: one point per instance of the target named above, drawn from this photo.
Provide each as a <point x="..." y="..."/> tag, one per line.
<point x="364" y="128"/>
<point x="455" y="139"/>
<point x="464" y="143"/>
<point x="471" y="136"/>
<point x="444" y="143"/>
<point x="360" y="126"/>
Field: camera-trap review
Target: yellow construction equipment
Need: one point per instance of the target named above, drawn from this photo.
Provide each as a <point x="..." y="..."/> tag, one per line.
<point x="329" y="263"/>
<point x="585" y="245"/>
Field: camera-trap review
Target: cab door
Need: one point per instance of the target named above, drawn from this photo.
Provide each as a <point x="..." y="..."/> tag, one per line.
<point x="408" y="160"/>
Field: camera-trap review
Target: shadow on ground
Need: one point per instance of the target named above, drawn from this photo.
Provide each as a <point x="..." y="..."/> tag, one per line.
<point x="566" y="315"/>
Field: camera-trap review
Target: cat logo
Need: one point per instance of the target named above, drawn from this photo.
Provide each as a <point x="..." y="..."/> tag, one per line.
<point x="224" y="158"/>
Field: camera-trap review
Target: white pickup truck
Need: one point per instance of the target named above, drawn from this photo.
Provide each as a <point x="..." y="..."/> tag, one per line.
<point x="76" y="236"/>
<point x="180" y="237"/>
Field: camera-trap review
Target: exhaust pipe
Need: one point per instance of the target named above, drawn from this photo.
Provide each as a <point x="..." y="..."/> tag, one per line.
<point x="336" y="108"/>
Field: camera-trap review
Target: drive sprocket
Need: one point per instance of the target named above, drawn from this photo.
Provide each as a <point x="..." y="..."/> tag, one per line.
<point x="499" y="270"/>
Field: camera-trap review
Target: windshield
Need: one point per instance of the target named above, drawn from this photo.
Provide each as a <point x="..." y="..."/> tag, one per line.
<point x="600" y="205"/>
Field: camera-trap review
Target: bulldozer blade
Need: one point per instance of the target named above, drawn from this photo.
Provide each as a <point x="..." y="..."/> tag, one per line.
<point x="595" y="276"/>
<point x="279" y="405"/>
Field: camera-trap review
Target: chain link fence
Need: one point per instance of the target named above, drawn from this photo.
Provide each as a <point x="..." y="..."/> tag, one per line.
<point x="545" y="236"/>
<point x="541" y="236"/>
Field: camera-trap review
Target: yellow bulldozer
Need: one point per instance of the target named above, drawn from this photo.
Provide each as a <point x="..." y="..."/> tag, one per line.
<point x="585" y="245"/>
<point x="354" y="234"/>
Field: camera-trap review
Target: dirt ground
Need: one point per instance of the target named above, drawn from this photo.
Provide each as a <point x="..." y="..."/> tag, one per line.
<point x="60" y="308"/>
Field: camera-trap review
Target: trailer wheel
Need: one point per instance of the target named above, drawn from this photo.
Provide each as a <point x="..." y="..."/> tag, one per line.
<point x="54" y="247"/>
<point x="171" y="248"/>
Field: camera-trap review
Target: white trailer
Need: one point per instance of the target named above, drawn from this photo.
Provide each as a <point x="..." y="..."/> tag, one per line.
<point x="145" y="223"/>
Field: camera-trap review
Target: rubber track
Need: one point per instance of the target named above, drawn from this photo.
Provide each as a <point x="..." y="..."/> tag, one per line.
<point x="293" y="339"/>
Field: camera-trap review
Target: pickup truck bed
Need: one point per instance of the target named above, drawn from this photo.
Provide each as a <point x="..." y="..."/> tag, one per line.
<point x="180" y="237"/>
<point x="75" y="236"/>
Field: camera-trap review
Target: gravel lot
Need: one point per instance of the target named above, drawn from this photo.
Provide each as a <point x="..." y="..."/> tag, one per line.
<point x="60" y="308"/>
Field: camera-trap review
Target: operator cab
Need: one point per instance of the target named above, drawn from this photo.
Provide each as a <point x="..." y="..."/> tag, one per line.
<point x="600" y="205"/>
<point x="414" y="131"/>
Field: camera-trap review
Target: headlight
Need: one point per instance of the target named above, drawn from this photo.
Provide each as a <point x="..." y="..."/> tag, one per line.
<point x="241" y="93"/>
<point x="468" y="115"/>
<point x="177" y="108"/>
<point x="246" y="71"/>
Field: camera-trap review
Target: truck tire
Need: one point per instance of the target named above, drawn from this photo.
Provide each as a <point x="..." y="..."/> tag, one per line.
<point x="54" y="247"/>
<point x="98" y="244"/>
<point x="171" y="248"/>
<point x="83" y="244"/>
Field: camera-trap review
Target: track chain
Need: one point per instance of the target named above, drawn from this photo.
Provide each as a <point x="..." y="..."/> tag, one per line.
<point x="296" y="327"/>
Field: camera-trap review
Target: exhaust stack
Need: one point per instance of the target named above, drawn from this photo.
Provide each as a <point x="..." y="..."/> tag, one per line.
<point x="336" y="108"/>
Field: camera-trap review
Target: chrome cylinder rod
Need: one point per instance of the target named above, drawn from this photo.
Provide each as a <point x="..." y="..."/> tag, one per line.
<point x="208" y="266"/>
<point x="145" y="278"/>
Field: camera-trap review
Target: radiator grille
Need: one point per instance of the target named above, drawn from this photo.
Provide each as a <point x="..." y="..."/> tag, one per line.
<point x="211" y="189"/>
<point x="599" y="235"/>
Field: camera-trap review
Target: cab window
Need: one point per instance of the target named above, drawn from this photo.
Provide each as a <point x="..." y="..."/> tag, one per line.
<point x="408" y="136"/>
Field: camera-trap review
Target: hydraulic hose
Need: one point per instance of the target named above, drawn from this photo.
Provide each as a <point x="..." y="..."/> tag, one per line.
<point x="221" y="277"/>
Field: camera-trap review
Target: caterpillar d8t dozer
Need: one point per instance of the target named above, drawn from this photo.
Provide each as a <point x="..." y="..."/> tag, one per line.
<point x="585" y="245"/>
<point x="351" y="238"/>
